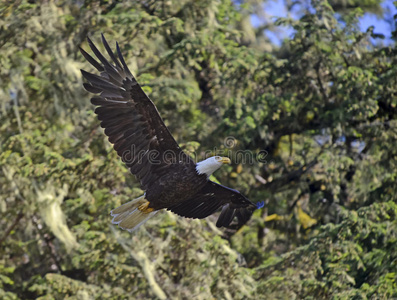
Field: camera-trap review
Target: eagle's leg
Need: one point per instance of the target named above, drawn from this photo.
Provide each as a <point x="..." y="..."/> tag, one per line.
<point x="131" y="215"/>
<point x="145" y="208"/>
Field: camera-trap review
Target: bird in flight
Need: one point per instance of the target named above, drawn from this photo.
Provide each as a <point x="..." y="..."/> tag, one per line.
<point x="170" y="178"/>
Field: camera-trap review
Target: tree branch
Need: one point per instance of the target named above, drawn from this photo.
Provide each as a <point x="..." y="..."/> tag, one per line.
<point x="287" y="178"/>
<point x="8" y="231"/>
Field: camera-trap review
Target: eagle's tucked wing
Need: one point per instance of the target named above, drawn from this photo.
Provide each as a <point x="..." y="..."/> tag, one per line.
<point x="210" y="198"/>
<point x="130" y="118"/>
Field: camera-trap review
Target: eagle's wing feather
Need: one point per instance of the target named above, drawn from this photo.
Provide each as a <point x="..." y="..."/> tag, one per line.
<point x="210" y="198"/>
<point x="131" y="120"/>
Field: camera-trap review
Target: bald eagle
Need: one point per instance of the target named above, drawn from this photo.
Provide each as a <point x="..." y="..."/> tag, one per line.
<point x="170" y="178"/>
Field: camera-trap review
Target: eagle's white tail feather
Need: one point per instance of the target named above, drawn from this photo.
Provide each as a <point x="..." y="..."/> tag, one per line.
<point x="129" y="217"/>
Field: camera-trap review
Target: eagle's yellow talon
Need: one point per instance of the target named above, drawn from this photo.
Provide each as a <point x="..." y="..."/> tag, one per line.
<point x="145" y="209"/>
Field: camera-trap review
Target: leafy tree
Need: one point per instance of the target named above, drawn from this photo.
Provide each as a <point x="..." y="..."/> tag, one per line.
<point x="316" y="116"/>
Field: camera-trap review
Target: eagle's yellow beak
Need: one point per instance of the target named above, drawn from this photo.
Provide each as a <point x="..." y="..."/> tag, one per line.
<point x="226" y="160"/>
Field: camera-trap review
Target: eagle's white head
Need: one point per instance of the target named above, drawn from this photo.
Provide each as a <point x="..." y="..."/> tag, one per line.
<point x="211" y="164"/>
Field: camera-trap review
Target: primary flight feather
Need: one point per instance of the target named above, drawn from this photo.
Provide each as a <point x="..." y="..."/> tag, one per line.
<point x="170" y="178"/>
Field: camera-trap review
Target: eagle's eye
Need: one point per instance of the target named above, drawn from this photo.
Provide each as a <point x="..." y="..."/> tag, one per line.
<point x="218" y="158"/>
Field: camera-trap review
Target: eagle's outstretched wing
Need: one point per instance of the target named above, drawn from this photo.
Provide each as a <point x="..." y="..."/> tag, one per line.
<point x="130" y="118"/>
<point x="210" y="198"/>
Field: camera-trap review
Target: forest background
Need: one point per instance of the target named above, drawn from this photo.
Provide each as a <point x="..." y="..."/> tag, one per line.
<point x="317" y="115"/>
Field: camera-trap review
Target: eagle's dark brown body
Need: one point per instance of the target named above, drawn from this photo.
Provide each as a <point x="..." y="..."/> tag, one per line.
<point x="176" y="187"/>
<point x="138" y="134"/>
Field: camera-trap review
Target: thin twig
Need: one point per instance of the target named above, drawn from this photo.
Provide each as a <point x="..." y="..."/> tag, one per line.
<point x="8" y="231"/>
<point x="50" y="246"/>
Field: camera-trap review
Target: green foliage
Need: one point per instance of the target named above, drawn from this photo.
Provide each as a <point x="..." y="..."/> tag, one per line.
<point x="341" y="261"/>
<point x="322" y="106"/>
